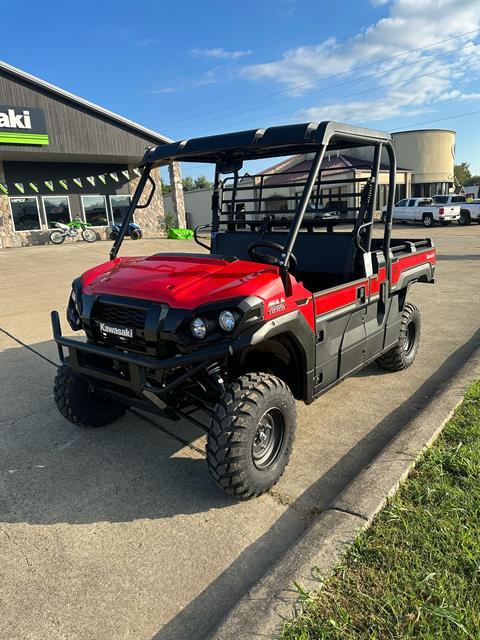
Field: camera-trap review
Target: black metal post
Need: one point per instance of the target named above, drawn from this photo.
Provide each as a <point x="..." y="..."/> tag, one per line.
<point x="391" y="197"/>
<point x="128" y="217"/>
<point x="215" y="201"/>
<point x="371" y="208"/>
<point x="302" y="205"/>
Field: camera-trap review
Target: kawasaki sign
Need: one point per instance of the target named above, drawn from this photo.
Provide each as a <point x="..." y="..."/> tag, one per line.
<point x="22" y="125"/>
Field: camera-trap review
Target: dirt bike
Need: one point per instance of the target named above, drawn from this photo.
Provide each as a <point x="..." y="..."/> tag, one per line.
<point x="134" y="231"/>
<point x="71" y="229"/>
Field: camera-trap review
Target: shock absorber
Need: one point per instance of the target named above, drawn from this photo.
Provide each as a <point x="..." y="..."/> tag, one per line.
<point x="214" y="372"/>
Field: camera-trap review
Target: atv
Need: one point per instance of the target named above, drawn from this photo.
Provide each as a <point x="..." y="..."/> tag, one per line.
<point x="283" y="306"/>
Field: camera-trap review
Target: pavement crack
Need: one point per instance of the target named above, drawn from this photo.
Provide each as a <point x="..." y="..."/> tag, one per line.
<point x="350" y="513"/>
<point x="168" y="432"/>
<point x="40" y="355"/>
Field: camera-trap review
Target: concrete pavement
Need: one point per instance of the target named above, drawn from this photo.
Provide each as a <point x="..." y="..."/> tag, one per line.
<point x="119" y="533"/>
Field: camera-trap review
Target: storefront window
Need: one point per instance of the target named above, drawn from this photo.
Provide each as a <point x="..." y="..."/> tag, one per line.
<point x="57" y="209"/>
<point x="119" y="205"/>
<point x="95" y="210"/>
<point x="25" y="214"/>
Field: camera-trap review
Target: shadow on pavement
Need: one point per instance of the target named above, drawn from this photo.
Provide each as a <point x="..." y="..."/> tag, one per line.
<point x="56" y="473"/>
<point x="224" y="592"/>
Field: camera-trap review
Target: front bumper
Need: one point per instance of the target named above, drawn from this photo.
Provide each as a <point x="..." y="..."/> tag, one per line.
<point x="130" y="370"/>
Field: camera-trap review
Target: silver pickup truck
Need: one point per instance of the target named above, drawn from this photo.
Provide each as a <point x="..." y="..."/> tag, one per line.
<point x="469" y="211"/>
<point x="424" y="210"/>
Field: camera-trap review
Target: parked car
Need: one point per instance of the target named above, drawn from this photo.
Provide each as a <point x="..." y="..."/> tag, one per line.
<point x="469" y="210"/>
<point x="423" y="210"/>
<point x="228" y="340"/>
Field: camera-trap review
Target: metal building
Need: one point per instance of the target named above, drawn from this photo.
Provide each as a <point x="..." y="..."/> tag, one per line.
<point x="63" y="157"/>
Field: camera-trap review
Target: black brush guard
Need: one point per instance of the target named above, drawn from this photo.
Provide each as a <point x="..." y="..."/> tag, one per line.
<point x="133" y="376"/>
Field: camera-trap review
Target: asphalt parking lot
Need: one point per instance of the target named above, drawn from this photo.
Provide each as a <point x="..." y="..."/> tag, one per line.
<point x="119" y="532"/>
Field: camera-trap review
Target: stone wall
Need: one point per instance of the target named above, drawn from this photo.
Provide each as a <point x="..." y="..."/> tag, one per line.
<point x="177" y="196"/>
<point x="151" y="219"/>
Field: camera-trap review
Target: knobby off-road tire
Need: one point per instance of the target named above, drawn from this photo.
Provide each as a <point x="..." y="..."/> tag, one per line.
<point x="89" y="235"/>
<point x="136" y="234"/>
<point x="251" y="435"/>
<point x="402" y="355"/>
<point x="80" y="404"/>
<point x="56" y="237"/>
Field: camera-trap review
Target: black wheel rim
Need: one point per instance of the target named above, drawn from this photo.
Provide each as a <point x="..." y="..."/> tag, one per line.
<point x="268" y="438"/>
<point x="409" y="338"/>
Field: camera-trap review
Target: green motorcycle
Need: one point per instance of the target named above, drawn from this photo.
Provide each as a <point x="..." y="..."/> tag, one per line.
<point x="71" y="229"/>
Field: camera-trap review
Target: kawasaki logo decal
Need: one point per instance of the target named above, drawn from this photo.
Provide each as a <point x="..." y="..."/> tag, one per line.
<point x="22" y="125"/>
<point x="122" y="332"/>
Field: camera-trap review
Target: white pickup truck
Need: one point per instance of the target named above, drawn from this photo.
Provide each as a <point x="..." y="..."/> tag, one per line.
<point x="469" y="211"/>
<point x="424" y="210"/>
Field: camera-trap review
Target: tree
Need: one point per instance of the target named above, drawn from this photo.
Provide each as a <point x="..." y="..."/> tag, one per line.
<point x="473" y="181"/>
<point x="462" y="173"/>
<point x="202" y="183"/>
<point x="166" y="188"/>
<point x="188" y="184"/>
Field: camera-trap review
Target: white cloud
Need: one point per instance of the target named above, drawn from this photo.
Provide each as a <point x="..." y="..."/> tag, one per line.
<point x="399" y="91"/>
<point x="408" y="26"/>
<point x="219" y="53"/>
<point x="146" y="42"/>
<point x="166" y="90"/>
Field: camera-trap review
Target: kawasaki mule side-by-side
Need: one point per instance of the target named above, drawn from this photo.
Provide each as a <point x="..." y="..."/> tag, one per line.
<point x="296" y="293"/>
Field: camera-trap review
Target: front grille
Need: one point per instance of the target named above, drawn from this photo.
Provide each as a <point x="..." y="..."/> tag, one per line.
<point x="124" y="316"/>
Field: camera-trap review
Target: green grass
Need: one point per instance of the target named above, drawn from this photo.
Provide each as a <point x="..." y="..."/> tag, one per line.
<point x="416" y="572"/>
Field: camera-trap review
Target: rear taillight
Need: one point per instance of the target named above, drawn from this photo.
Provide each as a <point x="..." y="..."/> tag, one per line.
<point x="441" y="211"/>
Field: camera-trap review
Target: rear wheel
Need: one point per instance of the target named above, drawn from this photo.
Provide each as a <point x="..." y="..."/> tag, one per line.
<point x="464" y="219"/>
<point x="251" y="436"/>
<point x="89" y="235"/>
<point x="80" y="403"/>
<point x="427" y="220"/>
<point x="402" y="355"/>
<point x="135" y="234"/>
<point x="57" y="237"/>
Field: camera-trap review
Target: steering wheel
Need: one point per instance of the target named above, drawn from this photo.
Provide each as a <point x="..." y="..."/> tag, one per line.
<point x="267" y="259"/>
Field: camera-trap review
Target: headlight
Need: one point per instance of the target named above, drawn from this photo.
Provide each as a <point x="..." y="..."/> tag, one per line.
<point x="227" y="321"/>
<point x="198" y="328"/>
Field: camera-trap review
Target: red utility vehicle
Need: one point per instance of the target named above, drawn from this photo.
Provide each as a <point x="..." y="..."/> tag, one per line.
<point x="297" y="293"/>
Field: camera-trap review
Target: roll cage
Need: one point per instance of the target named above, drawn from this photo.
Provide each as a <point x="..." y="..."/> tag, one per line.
<point x="229" y="151"/>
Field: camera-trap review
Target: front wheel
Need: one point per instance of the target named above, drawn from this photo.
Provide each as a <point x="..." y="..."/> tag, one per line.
<point x="57" y="237"/>
<point x="82" y="404"/>
<point x="402" y="355"/>
<point x="251" y="435"/>
<point x="464" y="219"/>
<point x="89" y="235"/>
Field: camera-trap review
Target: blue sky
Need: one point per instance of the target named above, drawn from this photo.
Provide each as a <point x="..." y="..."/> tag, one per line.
<point x="192" y="68"/>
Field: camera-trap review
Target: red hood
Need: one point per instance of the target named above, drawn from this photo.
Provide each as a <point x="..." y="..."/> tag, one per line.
<point x="182" y="281"/>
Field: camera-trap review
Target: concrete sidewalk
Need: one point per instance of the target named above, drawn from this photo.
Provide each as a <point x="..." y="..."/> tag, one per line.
<point x="119" y="533"/>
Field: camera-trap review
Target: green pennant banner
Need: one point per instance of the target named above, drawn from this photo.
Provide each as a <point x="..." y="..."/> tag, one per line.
<point x="129" y="174"/>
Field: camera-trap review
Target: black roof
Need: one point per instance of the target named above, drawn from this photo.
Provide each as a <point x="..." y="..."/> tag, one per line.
<point x="265" y="143"/>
